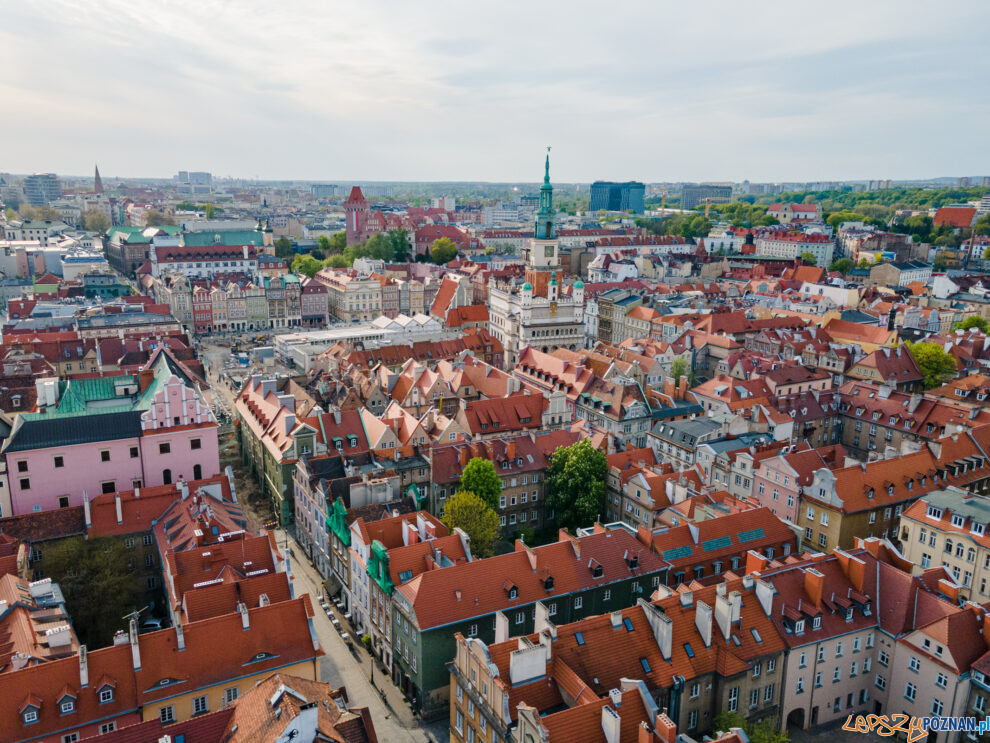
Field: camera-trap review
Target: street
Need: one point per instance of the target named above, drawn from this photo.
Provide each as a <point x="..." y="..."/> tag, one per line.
<point x="345" y="664"/>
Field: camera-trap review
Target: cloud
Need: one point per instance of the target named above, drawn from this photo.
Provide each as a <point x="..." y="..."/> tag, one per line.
<point x="459" y="91"/>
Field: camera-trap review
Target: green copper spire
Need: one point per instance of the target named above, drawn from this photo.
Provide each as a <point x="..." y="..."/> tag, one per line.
<point x="546" y="215"/>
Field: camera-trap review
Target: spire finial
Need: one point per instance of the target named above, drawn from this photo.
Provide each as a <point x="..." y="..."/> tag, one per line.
<point x="546" y="176"/>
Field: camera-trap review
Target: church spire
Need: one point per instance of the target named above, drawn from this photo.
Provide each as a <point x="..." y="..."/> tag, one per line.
<point x="545" y="216"/>
<point x="546" y="175"/>
<point x="98" y="182"/>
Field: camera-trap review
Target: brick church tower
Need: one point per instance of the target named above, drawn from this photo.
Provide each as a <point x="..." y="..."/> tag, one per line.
<point x="356" y="211"/>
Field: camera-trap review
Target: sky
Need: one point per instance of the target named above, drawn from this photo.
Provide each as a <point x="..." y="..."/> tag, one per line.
<point x="471" y="91"/>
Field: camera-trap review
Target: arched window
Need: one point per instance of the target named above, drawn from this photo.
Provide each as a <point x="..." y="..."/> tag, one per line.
<point x="197" y="472"/>
<point x="167" y="476"/>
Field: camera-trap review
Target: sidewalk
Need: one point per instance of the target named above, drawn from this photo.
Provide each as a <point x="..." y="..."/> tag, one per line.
<point x="350" y="665"/>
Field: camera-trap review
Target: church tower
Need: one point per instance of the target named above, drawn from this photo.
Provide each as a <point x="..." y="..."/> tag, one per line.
<point x="98" y="182"/>
<point x="542" y="250"/>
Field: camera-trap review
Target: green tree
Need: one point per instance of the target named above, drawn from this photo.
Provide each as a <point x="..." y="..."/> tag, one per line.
<point x="467" y="511"/>
<point x="283" y="247"/>
<point x="96" y="221"/>
<point x="986" y="254"/>
<point x="935" y="363"/>
<point x="380" y="247"/>
<point x="307" y="265"/>
<point x="982" y="226"/>
<point x="338" y="242"/>
<point x="808" y="258"/>
<point x="338" y="261"/>
<point x="323" y="244"/>
<point x="401" y="246"/>
<point x="940" y="262"/>
<point x="680" y="367"/>
<point x="443" y="250"/>
<point x="836" y="219"/>
<point x="155" y="218"/>
<point x="973" y="321"/>
<point x="210" y="211"/>
<point x="863" y="263"/>
<point x="766" y="730"/>
<point x="479" y="477"/>
<point x="841" y="265"/>
<point x="100" y="583"/>
<point x="576" y="484"/>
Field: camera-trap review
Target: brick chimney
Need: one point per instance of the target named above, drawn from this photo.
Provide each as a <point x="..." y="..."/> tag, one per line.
<point x="245" y="619"/>
<point x="755" y="562"/>
<point x="180" y="638"/>
<point x="814" y="585"/>
<point x="682" y="387"/>
<point x="117" y="506"/>
<point x="135" y="647"/>
<point x="666" y="729"/>
<point x="145" y="378"/>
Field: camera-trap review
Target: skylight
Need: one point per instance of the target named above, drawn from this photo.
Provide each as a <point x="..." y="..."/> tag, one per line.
<point x="689" y="650"/>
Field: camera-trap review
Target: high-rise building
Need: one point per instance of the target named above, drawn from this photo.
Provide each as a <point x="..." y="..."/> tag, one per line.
<point x="691" y="196"/>
<point x="324" y="190"/>
<point x="617" y="197"/>
<point x="41" y="189"/>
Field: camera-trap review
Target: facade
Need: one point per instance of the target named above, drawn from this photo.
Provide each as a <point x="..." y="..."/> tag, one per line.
<point x="617" y="197"/>
<point x="693" y="195"/>
<point x="350" y="297"/>
<point x="102" y="435"/>
<point x="514" y="592"/>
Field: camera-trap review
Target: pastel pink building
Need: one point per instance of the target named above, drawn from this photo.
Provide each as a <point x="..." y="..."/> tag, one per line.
<point x="108" y="434"/>
<point x="778" y="481"/>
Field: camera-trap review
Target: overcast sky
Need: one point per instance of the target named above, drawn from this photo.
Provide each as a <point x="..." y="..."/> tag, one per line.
<point x="466" y="90"/>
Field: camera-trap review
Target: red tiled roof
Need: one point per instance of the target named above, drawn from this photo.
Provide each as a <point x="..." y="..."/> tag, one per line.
<point x="955" y="216"/>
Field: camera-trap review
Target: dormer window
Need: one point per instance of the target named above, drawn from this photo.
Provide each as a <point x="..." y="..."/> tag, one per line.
<point x="548" y="583"/>
<point x="511" y="589"/>
<point x="816" y="623"/>
<point x="958" y="520"/>
<point x="977" y="529"/>
<point x="932" y="512"/>
<point x="596" y="568"/>
<point x="849" y="614"/>
<point x="30" y="716"/>
<point x="799" y="627"/>
<point x="67" y="705"/>
<point x="106" y="694"/>
<point x="890" y="490"/>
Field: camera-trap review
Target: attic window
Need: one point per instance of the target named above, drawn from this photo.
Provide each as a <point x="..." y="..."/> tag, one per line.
<point x="689" y="650"/>
<point x="756" y="635"/>
<point x="799" y="627"/>
<point x="645" y="664"/>
<point x="596" y="569"/>
<point x="405" y="575"/>
<point x="627" y="623"/>
<point x="579" y="638"/>
<point x="548" y="583"/>
<point x="816" y="623"/>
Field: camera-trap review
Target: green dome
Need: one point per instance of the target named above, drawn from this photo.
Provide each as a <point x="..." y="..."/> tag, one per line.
<point x="527" y="287"/>
<point x="579" y="284"/>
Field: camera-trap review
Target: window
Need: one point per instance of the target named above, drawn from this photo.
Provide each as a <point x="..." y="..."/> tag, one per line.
<point x="109" y="486"/>
<point x="67" y="707"/>
<point x="105" y="455"/>
<point x="800" y="686"/>
<point x="134" y="452"/>
<point x="59" y="461"/>
<point x="768" y="693"/>
<point x="106" y="695"/>
<point x="166" y="714"/>
<point x="937" y="707"/>
<point x="853" y="669"/>
<point x="229" y="695"/>
<point x="910" y="691"/>
<point x="70" y="738"/>
<point x="754" y="697"/>
<point x="771" y="665"/>
<point x="880" y="682"/>
<point x="164" y="447"/>
<point x="22" y="465"/>
<point x="941" y="680"/>
<point x="734" y="699"/>
<point x="693" y="719"/>
<point x="578" y="602"/>
<point x="520" y="617"/>
<point x="882" y="658"/>
<point x="199" y="705"/>
<point x="914" y="664"/>
<point x="836" y="674"/>
<point x="824" y="518"/>
<point x="695" y="690"/>
<point x="196" y="444"/>
<point x="818" y="680"/>
<point x="26" y="483"/>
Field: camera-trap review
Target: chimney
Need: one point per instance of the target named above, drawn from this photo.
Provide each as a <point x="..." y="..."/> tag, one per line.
<point x="615" y="695"/>
<point x="116" y="503"/>
<point x="755" y="562"/>
<point x="86" y="513"/>
<point x="137" y="492"/>
<point x="611" y="725"/>
<point x="245" y="620"/>
<point x="135" y="647"/>
<point x="290" y="422"/>
<point x="666" y="729"/>
<point x="814" y="585"/>
<point x="616" y="619"/>
<point x="180" y="638"/>
<point x="914" y="402"/>
<point x="287" y="401"/>
<point x="735" y="607"/>
<point x="145" y="378"/>
<point x="501" y="627"/>
<point x="83" y="667"/>
<point x="183" y="488"/>
<point x="722" y="614"/>
<point x="263" y="600"/>
<point x="764" y="594"/>
<point x="682" y="387"/>
<point x="703" y="621"/>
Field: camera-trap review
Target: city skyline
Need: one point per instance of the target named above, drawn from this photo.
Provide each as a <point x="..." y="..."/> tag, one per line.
<point x="399" y="95"/>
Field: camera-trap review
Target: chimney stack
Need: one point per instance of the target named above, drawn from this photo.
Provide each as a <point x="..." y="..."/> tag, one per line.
<point x="86" y="513"/>
<point x="666" y="729"/>
<point x="245" y="620"/>
<point x="814" y="585"/>
<point x="116" y="503"/>
<point x="83" y="667"/>
<point x="611" y="725"/>
<point x="703" y="621"/>
<point x="135" y="647"/>
<point x="180" y="637"/>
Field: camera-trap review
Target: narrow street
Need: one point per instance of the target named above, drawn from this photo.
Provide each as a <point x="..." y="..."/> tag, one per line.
<point x="350" y="665"/>
<point x="346" y="663"/>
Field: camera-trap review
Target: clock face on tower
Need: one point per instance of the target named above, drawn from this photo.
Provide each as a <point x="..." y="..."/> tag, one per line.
<point x="548" y="251"/>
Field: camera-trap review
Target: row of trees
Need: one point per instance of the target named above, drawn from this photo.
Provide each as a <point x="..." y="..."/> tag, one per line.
<point x="392" y="246"/>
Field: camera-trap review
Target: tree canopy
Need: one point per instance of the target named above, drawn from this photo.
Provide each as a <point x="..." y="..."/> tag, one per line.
<point x="467" y="511"/>
<point x="935" y="363"/>
<point x="283" y="247"/>
<point x="306" y="264"/>
<point x="155" y="219"/>
<point x="766" y="730"/>
<point x="841" y="265"/>
<point x="479" y="477"/>
<point x="973" y="321"/>
<point x="100" y="584"/>
<point x="679" y="367"/>
<point x="808" y="258"/>
<point x="96" y="221"/>
<point x="576" y="484"/>
<point x="443" y="250"/>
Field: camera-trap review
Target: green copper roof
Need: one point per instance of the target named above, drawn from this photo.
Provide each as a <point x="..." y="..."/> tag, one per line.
<point x="527" y="287"/>
<point x="579" y="284"/>
<point x="227" y="237"/>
